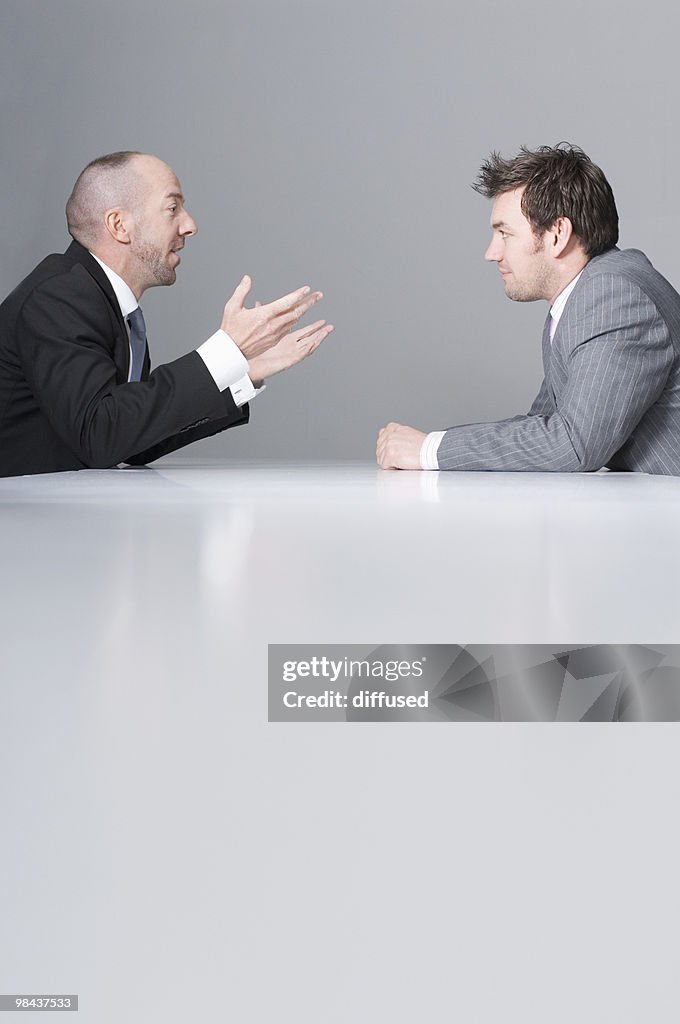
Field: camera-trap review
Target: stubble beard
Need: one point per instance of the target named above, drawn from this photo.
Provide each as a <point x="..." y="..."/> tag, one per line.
<point x="154" y="261"/>
<point x="538" y="286"/>
<point x="527" y="291"/>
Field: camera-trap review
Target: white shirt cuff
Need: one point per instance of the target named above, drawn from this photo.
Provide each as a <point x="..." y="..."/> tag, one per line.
<point x="244" y="390"/>
<point x="228" y="367"/>
<point x="428" y="450"/>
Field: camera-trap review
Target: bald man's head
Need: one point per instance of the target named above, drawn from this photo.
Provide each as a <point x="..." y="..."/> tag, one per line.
<point x="127" y="208"/>
<point x="111" y="181"/>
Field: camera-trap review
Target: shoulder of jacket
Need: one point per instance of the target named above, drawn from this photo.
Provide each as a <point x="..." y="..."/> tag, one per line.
<point x="62" y="279"/>
<point x="624" y="262"/>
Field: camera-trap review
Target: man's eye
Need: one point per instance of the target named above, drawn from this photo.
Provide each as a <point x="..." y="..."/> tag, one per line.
<point x="172" y="209"/>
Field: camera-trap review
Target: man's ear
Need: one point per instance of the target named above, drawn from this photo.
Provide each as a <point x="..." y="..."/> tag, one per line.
<point x="561" y="234"/>
<point x="116" y="223"/>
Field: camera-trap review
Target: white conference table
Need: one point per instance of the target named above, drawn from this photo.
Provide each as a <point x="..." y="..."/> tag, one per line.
<point x="171" y="856"/>
<point x="337" y="552"/>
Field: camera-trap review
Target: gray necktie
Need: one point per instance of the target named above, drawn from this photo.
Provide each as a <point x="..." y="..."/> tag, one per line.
<point x="137" y="342"/>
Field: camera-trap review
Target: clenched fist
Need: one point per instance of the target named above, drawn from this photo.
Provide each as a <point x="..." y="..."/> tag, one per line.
<point x="399" y="447"/>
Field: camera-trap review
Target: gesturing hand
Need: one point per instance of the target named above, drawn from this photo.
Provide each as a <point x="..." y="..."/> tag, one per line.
<point x="398" y="447"/>
<point x="292" y="349"/>
<point x="256" y="330"/>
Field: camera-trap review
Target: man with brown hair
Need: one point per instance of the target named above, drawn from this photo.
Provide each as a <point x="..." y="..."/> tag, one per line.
<point x="611" y="342"/>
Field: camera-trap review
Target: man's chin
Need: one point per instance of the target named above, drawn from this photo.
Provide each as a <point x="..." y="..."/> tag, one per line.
<point x="517" y="295"/>
<point x="162" y="280"/>
<point x="509" y="290"/>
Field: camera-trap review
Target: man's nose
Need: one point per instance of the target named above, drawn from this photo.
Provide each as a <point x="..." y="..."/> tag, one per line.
<point x="189" y="226"/>
<point x="493" y="254"/>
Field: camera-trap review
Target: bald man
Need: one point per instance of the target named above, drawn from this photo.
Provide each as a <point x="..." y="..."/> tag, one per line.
<point x="76" y="387"/>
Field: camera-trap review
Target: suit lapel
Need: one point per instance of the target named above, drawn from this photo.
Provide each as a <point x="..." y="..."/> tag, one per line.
<point x="547" y="353"/>
<point x="79" y="254"/>
<point x="555" y="352"/>
<point x="546" y="344"/>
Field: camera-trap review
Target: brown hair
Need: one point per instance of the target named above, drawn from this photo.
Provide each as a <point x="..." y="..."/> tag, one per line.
<point x="558" y="181"/>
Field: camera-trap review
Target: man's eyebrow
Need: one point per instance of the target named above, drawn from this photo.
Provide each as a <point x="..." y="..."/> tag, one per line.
<point x="497" y="225"/>
<point x="174" y="195"/>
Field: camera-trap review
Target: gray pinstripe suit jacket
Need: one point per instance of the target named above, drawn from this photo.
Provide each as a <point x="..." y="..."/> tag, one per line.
<point x="611" y="393"/>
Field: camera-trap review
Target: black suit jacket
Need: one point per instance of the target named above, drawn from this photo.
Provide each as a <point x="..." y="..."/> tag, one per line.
<point x="65" y="400"/>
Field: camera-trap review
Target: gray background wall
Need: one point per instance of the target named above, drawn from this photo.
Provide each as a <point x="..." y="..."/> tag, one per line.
<point x="333" y="143"/>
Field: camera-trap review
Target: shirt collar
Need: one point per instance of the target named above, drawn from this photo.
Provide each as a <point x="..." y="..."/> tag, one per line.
<point x="127" y="300"/>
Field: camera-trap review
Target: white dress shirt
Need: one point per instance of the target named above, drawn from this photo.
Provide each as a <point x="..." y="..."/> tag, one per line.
<point x="430" y="446"/>
<point x="224" y="360"/>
